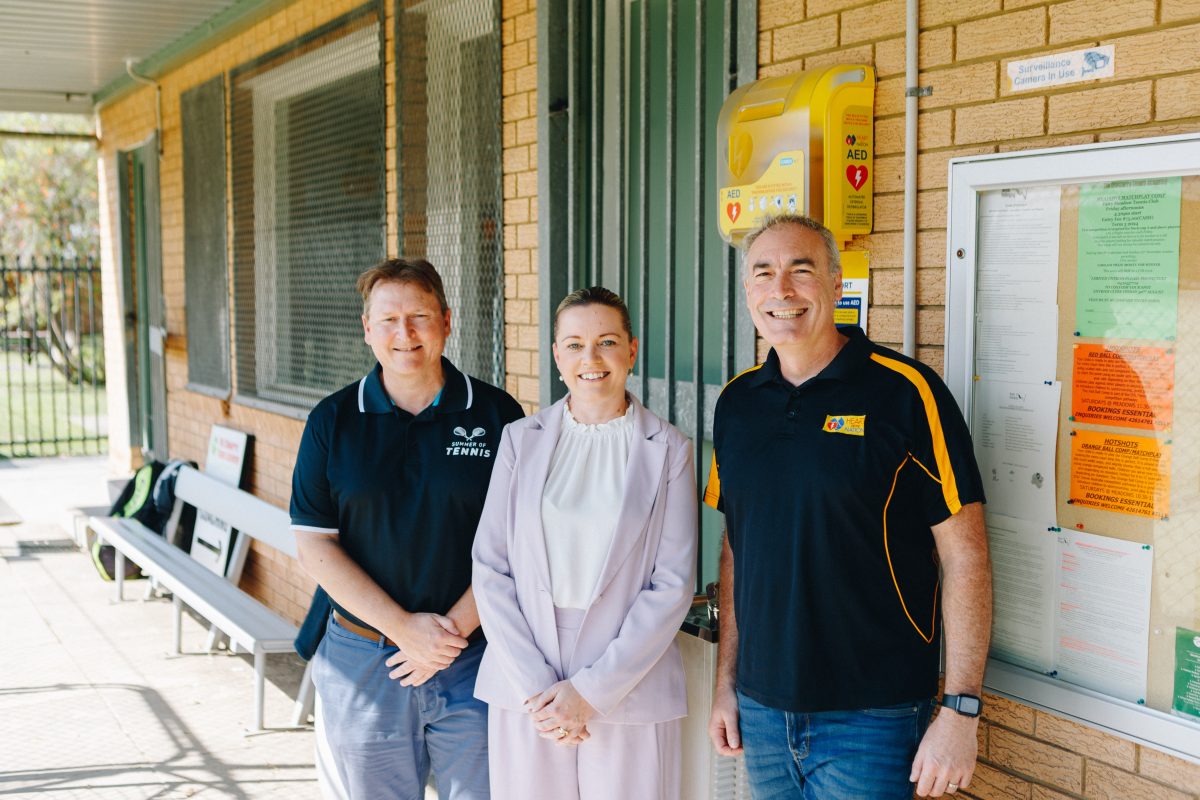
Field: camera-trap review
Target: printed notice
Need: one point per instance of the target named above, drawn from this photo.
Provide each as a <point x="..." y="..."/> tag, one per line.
<point x="1125" y="387"/>
<point x="1103" y="614"/>
<point x="852" y="308"/>
<point x="1018" y="249"/>
<point x="1043" y="72"/>
<point x="1187" y="672"/>
<point x="1023" y="557"/>
<point x="1014" y="429"/>
<point x="1120" y="472"/>
<point x="1011" y="345"/>
<point x="213" y="537"/>
<point x="1128" y="284"/>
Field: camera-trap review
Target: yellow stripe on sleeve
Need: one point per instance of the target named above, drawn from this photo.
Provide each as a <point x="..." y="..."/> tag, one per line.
<point x="941" y="454"/>
<point x="712" y="492"/>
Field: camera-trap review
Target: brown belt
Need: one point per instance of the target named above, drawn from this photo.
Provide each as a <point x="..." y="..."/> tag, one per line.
<point x="361" y="630"/>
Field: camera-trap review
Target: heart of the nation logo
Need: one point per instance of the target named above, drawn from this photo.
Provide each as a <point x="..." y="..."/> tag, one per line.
<point x="733" y="211"/>
<point x="851" y="139"/>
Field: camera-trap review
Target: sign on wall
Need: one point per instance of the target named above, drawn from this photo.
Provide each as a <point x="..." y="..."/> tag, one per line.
<point x="1061" y="68"/>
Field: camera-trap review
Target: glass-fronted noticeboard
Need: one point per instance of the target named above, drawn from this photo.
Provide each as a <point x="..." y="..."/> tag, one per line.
<point x="1073" y="346"/>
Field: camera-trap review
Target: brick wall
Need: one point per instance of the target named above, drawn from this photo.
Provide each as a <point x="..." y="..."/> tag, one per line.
<point x="519" y="87"/>
<point x="271" y="576"/>
<point x="965" y="47"/>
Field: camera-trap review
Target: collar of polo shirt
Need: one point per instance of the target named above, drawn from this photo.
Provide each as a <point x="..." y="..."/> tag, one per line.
<point x="457" y="394"/>
<point x="848" y="361"/>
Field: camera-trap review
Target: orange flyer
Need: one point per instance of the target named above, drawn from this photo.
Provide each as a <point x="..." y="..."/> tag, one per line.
<point x="1123" y="386"/>
<point x="1122" y="473"/>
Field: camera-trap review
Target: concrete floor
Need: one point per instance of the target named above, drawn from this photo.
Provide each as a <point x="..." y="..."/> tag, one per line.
<point x="92" y="704"/>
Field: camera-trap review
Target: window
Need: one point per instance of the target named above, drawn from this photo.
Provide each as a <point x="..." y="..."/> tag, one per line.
<point x="309" y="210"/>
<point x="450" y="188"/>
<point x="205" y="269"/>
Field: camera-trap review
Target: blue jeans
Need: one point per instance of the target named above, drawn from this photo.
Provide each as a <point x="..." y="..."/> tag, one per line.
<point x="831" y="755"/>
<point x="384" y="737"/>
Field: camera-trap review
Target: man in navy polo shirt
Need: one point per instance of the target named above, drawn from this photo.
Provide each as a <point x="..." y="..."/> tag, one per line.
<point x="389" y="484"/>
<point x="847" y="477"/>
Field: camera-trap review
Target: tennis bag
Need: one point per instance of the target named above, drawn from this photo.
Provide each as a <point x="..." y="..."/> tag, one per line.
<point x="149" y="497"/>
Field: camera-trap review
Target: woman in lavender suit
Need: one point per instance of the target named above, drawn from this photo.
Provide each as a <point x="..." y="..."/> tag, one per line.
<point x="584" y="568"/>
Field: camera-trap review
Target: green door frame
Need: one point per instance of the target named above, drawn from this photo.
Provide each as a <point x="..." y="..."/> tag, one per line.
<point x="142" y="290"/>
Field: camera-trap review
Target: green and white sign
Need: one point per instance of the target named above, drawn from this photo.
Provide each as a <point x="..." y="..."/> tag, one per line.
<point x="1187" y="672"/>
<point x="1128" y="259"/>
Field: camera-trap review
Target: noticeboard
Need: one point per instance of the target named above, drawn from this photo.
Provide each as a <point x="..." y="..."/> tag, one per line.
<point x="1073" y="345"/>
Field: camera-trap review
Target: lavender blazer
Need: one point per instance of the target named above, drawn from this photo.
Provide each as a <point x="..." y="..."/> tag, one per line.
<point x="625" y="661"/>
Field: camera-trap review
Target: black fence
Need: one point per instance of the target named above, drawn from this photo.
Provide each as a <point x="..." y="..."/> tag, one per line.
<point x="52" y="399"/>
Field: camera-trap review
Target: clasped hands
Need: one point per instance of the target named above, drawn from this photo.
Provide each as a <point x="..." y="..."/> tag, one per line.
<point x="427" y="644"/>
<point x="561" y="714"/>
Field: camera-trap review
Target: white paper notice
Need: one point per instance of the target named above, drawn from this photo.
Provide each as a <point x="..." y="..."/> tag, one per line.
<point x="1015" y="429"/>
<point x="1103" y="621"/>
<point x="1018" y="249"/>
<point x="212" y="537"/>
<point x="1011" y="346"/>
<point x="1023" y="561"/>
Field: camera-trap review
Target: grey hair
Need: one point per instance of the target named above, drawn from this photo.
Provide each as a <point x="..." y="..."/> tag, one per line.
<point x="778" y="221"/>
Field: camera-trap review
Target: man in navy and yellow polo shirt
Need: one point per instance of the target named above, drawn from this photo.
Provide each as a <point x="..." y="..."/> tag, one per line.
<point x="389" y="484"/>
<point x="847" y="478"/>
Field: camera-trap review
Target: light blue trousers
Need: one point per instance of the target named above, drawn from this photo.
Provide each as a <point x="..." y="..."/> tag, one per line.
<point x="385" y="737"/>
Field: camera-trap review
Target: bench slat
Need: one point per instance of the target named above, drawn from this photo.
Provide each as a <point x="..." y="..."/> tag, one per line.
<point x="247" y="621"/>
<point x="241" y="510"/>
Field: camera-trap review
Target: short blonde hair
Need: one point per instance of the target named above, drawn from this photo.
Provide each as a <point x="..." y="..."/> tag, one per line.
<point x="417" y="271"/>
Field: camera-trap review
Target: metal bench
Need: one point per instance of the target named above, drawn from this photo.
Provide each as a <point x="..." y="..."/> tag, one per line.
<point x="249" y="624"/>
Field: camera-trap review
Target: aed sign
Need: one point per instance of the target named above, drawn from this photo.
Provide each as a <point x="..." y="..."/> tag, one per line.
<point x="798" y="144"/>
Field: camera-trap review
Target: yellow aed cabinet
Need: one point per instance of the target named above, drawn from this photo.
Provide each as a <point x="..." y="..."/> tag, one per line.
<point x="800" y="144"/>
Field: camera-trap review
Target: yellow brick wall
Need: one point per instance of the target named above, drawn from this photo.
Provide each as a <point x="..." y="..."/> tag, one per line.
<point x="965" y="47"/>
<point x="519" y="88"/>
<point x="270" y="575"/>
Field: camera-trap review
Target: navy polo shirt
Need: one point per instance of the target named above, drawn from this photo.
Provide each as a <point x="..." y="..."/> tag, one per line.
<point x="403" y="492"/>
<point x="829" y="490"/>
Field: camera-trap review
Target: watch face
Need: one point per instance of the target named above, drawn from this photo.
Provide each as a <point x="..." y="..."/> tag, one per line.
<point x="969" y="705"/>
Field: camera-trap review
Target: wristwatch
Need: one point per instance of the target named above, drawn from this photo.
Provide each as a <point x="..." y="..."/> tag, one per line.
<point x="966" y="704"/>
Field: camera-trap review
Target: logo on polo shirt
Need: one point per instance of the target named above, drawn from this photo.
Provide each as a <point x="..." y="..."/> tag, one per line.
<point x="466" y="444"/>
<point x="844" y="423"/>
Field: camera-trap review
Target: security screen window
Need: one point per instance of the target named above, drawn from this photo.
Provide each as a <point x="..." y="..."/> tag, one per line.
<point x="450" y="192"/>
<point x="309" y="210"/>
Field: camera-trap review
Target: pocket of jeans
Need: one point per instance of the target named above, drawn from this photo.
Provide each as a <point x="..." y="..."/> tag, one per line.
<point x="893" y="712"/>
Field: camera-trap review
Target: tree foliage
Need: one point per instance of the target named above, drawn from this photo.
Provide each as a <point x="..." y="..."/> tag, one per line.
<point x="49" y="215"/>
<point x="48" y="192"/>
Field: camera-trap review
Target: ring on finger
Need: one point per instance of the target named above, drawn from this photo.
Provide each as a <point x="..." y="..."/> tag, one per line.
<point x="952" y="787"/>
<point x="563" y="733"/>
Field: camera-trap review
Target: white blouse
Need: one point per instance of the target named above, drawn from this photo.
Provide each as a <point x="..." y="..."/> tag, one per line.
<point x="581" y="502"/>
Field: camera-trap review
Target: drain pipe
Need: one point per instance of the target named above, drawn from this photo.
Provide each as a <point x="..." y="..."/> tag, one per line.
<point x="157" y="99"/>
<point x="911" y="93"/>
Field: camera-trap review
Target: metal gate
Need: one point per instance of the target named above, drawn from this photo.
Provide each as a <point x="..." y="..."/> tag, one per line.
<point x="52" y="399"/>
<point x="628" y="95"/>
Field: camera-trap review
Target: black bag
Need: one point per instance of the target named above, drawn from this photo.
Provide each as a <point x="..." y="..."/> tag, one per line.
<point x="149" y="497"/>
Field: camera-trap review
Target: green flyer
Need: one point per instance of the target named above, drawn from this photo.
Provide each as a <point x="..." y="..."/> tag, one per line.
<point x="1187" y="672"/>
<point x="1128" y="275"/>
